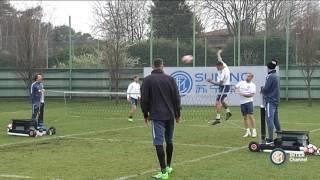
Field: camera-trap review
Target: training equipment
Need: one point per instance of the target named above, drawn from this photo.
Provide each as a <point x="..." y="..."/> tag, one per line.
<point x="285" y="142"/>
<point x="187" y="59"/>
<point x="27" y="127"/>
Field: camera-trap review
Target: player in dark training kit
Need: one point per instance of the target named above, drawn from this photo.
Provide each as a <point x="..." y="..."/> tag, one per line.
<point x="160" y="104"/>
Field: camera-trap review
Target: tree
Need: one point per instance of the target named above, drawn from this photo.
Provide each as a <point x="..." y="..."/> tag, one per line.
<point x="30" y="35"/>
<point x="275" y="12"/>
<point x="230" y="11"/>
<point x="117" y="22"/>
<point x="309" y="27"/>
<point x="172" y="19"/>
<point x="6" y="17"/>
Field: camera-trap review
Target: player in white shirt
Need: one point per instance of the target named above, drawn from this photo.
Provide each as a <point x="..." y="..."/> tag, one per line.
<point x="246" y="90"/>
<point x="223" y="81"/>
<point x="133" y="95"/>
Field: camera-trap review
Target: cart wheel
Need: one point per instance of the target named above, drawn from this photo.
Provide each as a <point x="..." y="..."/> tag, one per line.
<point x="254" y="147"/>
<point x="51" y="131"/>
<point x="32" y="133"/>
<point x="278" y="156"/>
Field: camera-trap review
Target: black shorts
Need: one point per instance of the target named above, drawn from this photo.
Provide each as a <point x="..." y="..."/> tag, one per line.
<point x="247" y="108"/>
<point x="133" y="101"/>
<point x="223" y="92"/>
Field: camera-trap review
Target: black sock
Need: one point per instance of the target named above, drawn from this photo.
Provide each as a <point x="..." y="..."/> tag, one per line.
<point x="169" y="150"/>
<point x="161" y="157"/>
<point x="130" y="117"/>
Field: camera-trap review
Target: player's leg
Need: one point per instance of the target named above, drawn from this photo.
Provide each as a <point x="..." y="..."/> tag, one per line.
<point x="158" y="129"/>
<point x="218" y="111"/>
<point x="41" y="115"/>
<point x="225" y="92"/>
<point x="245" y="119"/>
<point x="35" y="112"/>
<point x="270" y="110"/>
<point x="276" y="119"/>
<point x="133" y="109"/>
<point x="252" y="121"/>
<point x="169" y="131"/>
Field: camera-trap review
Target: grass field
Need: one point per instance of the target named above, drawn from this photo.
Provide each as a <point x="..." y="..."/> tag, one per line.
<point x="95" y="141"/>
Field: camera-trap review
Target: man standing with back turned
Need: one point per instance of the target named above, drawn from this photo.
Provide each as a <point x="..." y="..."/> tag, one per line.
<point x="160" y="104"/>
<point x="271" y="95"/>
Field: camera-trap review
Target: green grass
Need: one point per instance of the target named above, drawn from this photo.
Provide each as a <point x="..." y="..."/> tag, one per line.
<point x="95" y="141"/>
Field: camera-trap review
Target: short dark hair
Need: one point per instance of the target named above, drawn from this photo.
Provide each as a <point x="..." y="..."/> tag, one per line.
<point x="134" y="77"/>
<point x="36" y="76"/>
<point x="219" y="63"/>
<point x="158" y="62"/>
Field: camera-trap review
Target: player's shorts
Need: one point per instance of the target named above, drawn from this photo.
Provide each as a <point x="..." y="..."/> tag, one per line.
<point x="162" y="130"/>
<point x="247" y="108"/>
<point x="223" y="92"/>
<point x="133" y="101"/>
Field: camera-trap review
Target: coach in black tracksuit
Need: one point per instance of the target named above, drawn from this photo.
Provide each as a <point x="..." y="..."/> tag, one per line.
<point x="160" y="103"/>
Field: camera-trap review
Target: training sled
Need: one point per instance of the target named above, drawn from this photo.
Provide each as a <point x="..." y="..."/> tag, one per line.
<point x="286" y="142"/>
<point x="28" y="128"/>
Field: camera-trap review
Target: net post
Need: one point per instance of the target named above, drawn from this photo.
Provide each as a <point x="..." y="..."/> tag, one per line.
<point x="70" y="56"/>
<point x="64" y="97"/>
<point x="239" y="31"/>
<point x="205" y="51"/>
<point x="194" y="38"/>
<point x="287" y="50"/>
<point x="178" y="52"/>
<point x="151" y="40"/>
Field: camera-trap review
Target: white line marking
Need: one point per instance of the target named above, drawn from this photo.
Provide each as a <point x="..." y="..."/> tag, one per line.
<point x="315" y="130"/>
<point x="69" y="135"/>
<point x="184" y="162"/>
<point x="235" y="125"/>
<point x="210" y="126"/>
<point x="150" y="142"/>
<point x="15" y="176"/>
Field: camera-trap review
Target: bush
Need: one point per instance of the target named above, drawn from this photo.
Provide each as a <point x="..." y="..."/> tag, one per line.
<point x="252" y="50"/>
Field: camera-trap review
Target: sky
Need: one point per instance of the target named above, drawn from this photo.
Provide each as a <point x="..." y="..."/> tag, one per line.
<point x="58" y="12"/>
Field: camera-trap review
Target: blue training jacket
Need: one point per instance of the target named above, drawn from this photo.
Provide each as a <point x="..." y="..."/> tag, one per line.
<point x="36" y="92"/>
<point x="271" y="89"/>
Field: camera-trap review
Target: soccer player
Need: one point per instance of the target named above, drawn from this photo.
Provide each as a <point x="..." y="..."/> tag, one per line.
<point x="160" y="104"/>
<point x="246" y="90"/>
<point x="133" y="95"/>
<point x="37" y="98"/>
<point x="271" y="95"/>
<point x="223" y="81"/>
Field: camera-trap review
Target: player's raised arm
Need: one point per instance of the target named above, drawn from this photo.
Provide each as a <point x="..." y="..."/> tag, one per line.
<point x="219" y="55"/>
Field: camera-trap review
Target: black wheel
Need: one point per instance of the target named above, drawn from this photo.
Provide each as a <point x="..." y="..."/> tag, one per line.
<point x="32" y="133"/>
<point x="51" y="131"/>
<point x="278" y="156"/>
<point x="254" y="147"/>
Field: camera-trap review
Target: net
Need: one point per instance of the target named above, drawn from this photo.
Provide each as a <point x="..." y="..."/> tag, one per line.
<point x="115" y="105"/>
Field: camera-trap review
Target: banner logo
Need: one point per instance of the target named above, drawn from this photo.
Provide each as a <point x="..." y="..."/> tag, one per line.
<point x="183" y="80"/>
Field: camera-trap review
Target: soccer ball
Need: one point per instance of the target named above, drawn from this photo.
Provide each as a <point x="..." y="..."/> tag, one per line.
<point x="187" y="59"/>
<point x="311" y="149"/>
<point x="9" y="126"/>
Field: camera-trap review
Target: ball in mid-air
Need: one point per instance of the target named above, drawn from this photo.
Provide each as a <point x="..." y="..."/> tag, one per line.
<point x="187" y="59"/>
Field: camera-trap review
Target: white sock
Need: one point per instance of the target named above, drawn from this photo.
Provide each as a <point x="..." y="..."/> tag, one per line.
<point x="218" y="116"/>
<point x="254" y="130"/>
<point x="227" y="110"/>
